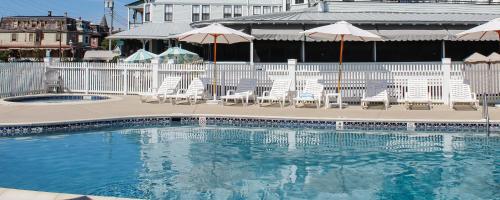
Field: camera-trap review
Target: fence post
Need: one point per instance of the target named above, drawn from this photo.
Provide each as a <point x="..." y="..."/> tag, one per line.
<point x="48" y="62"/>
<point x="87" y="78"/>
<point x="156" y="65"/>
<point x="125" y="78"/>
<point x="446" y="67"/>
<point x="292" y="65"/>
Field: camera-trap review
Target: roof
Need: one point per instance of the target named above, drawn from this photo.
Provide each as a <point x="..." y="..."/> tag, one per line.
<point x="153" y="31"/>
<point x="135" y="3"/>
<point x="100" y="55"/>
<point x="375" y="13"/>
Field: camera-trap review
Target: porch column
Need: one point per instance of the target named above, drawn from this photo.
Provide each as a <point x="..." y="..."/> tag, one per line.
<point x="128" y="18"/>
<point x="251" y="52"/>
<point x="143" y="44"/>
<point x="374" y="51"/>
<point x="150" y="45"/>
<point x="443" y="49"/>
<point x="303" y="50"/>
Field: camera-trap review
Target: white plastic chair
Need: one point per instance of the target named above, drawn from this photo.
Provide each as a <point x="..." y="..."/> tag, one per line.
<point x="312" y="93"/>
<point x="376" y="91"/>
<point x="244" y="91"/>
<point x="278" y="93"/>
<point x="461" y="93"/>
<point x="194" y="93"/>
<point x="167" y="87"/>
<point x="418" y="93"/>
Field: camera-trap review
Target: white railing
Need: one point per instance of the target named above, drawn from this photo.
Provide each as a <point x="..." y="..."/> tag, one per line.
<point x="121" y="78"/>
<point x="21" y="79"/>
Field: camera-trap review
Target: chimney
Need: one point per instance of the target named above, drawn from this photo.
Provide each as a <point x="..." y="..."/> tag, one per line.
<point x="322" y="6"/>
<point x="65" y="14"/>
<point x="50" y="13"/>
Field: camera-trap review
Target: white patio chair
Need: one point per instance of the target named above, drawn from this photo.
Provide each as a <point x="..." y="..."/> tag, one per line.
<point x="312" y="93"/>
<point x="194" y="93"/>
<point x="53" y="81"/>
<point x="244" y="91"/>
<point x="376" y="91"/>
<point x="278" y="93"/>
<point x="167" y="87"/>
<point x="418" y="93"/>
<point x="461" y="93"/>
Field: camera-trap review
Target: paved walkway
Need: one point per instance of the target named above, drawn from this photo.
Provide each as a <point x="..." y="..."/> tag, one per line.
<point x="14" y="194"/>
<point x="131" y="106"/>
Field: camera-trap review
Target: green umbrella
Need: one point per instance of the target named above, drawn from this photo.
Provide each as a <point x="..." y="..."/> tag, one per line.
<point x="179" y="55"/>
<point x="140" y="56"/>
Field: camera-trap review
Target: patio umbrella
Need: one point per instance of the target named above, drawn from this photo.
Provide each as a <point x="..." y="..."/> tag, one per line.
<point x="487" y="30"/>
<point x="180" y="55"/>
<point x="213" y="34"/>
<point x="341" y="31"/>
<point x="484" y="31"/>
<point x="140" y="56"/>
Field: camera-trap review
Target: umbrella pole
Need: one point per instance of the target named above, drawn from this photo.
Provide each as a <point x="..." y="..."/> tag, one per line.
<point x="214" y="87"/>
<point x="498" y="32"/>
<point x="340" y="62"/>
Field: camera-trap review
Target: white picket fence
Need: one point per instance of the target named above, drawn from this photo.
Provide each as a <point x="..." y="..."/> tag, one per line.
<point x="122" y="78"/>
<point x="21" y="78"/>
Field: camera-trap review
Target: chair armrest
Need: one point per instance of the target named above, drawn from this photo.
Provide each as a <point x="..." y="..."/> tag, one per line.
<point x="265" y="93"/>
<point x="474" y="95"/>
<point x="181" y="91"/>
<point x="364" y="95"/>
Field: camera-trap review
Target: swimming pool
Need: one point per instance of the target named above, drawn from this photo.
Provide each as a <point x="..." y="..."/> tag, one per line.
<point x="223" y="162"/>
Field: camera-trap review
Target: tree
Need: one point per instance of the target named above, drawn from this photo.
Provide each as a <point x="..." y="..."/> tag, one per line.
<point x="105" y="43"/>
<point x="4" y="56"/>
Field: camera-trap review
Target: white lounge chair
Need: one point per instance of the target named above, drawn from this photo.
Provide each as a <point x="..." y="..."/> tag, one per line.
<point x="194" y="93"/>
<point x="244" y="91"/>
<point x="461" y="93"/>
<point x="312" y="93"/>
<point x="418" y="93"/>
<point x="279" y="93"/>
<point x="167" y="87"/>
<point x="376" y="91"/>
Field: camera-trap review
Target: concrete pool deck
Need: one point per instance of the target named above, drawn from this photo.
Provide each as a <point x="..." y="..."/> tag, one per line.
<point x="130" y="106"/>
<point x="15" y="194"/>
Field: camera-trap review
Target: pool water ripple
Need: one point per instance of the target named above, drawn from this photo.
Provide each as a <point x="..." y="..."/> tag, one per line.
<point x="187" y="162"/>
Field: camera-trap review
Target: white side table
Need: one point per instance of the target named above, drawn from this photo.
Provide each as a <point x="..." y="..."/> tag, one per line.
<point x="329" y="96"/>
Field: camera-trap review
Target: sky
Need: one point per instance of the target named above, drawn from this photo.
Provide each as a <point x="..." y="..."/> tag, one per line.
<point x="91" y="10"/>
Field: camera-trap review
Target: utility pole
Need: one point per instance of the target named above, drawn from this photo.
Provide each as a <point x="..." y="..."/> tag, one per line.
<point x="110" y="4"/>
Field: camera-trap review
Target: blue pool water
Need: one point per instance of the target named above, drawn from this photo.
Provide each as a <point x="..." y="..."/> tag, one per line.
<point x="187" y="162"/>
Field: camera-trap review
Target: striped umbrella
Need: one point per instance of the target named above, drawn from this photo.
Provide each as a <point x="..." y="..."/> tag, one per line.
<point x="179" y="55"/>
<point x="140" y="56"/>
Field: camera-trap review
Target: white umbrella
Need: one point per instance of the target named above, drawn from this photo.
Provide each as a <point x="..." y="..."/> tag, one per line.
<point x="341" y="31"/>
<point x="214" y="33"/>
<point x="485" y="31"/>
<point x="140" y="56"/>
<point x="488" y="30"/>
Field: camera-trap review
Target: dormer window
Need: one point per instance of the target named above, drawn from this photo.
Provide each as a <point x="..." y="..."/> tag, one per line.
<point x="147" y="12"/>
<point x="300" y="1"/>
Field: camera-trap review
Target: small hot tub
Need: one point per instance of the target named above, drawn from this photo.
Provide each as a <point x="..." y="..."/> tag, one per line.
<point x="57" y="99"/>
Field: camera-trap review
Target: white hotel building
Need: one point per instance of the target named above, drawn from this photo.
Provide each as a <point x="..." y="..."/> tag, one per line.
<point x="153" y="21"/>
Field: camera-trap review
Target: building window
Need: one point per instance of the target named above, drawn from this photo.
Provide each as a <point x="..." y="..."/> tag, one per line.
<point x="228" y="11"/>
<point x="196" y="13"/>
<point x="205" y="12"/>
<point x="86" y="40"/>
<point x="299" y="1"/>
<point x="58" y="37"/>
<point x="256" y="10"/>
<point x="238" y="11"/>
<point x="266" y="9"/>
<point x="30" y="37"/>
<point x="14" y="37"/>
<point x="276" y="9"/>
<point x="169" y="10"/>
<point x="147" y="12"/>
